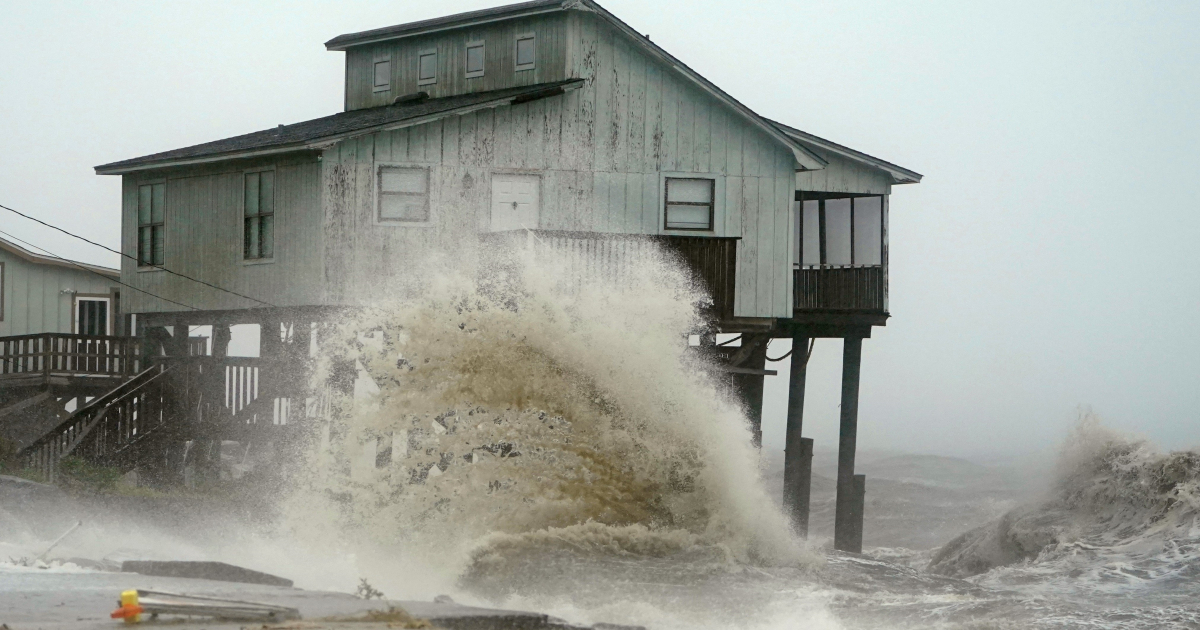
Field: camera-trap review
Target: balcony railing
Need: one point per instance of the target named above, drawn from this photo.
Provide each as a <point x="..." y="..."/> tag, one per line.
<point x="712" y="261"/>
<point x="841" y="289"/>
<point x="47" y="355"/>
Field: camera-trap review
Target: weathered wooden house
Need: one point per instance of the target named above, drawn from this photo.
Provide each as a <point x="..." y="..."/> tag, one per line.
<point x="42" y="294"/>
<point x="551" y="116"/>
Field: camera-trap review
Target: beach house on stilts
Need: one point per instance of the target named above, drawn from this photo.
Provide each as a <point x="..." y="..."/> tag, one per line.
<point x="551" y="116"/>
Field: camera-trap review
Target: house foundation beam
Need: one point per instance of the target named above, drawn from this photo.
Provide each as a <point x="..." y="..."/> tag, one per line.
<point x="847" y="529"/>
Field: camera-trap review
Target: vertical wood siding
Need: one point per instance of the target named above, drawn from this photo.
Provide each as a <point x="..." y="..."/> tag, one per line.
<point x="844" y="176"/>
<point x="601" y="151"/>
<point x="34" y="301"/>
<point x="499" y="61"/>
<point x="204" y="239"/>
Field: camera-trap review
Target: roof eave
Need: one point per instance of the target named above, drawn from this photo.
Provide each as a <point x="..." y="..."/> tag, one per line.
<point x="806" y="159"/>
<point x="323" y="142"/>
<point x="39" y="259"/>
<point x="485" y="16"/>
<point x="899" y="174"/>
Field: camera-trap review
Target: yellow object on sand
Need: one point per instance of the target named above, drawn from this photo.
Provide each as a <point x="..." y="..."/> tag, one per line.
<point x="129" y="609"/>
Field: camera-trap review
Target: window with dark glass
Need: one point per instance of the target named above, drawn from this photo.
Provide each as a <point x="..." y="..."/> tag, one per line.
<point x="427" y="67"/>
<point x="383" y="75"/>
<point x="474" y="59"/>
<point x="259" y="216"/>
<point x="689" y="203"/>
<point x="152" y="233"/>
<point x="526" y="51"/>
<point x="840" y="231"/>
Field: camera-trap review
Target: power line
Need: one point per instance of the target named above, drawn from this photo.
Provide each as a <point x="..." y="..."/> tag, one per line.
<point x="134" y="258"/>
<point x="93" y="271"/>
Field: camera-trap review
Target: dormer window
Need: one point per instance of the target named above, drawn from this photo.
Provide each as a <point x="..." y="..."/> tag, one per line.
<point x="474" y="59"/>
<point x="427" y="67"/>
<point x="383" y="75"/>
<point x="526" y="51"/>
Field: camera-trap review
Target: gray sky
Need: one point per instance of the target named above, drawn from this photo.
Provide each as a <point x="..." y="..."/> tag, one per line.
<point x="1049" y="260"/>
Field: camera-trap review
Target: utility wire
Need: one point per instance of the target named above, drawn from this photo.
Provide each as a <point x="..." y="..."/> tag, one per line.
<point x="811" y="342"/>
<point x="93" y="271"/>
<point x="134" y="258"/>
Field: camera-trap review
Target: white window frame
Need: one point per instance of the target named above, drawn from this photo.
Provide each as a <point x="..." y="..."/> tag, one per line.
<point x="425" y="53"/>
<point x="429" y="200"/>
<point x="92" y="297"/>
<point x="375" y="64"/>
<point x="517" y="67"/>
<point x="473" y="74"/>
<point x="718" y="227"/>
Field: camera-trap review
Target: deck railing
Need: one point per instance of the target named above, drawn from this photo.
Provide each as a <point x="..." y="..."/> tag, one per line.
<point x="60" y="354"/>
<point x="861" y="289"/>
<point x="712" y="261"/>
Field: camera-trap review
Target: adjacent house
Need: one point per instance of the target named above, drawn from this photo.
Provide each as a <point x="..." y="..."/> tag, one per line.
<point x="43" y="294"/>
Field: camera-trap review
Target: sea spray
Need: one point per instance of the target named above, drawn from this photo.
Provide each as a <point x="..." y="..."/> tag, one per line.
<point x="543" y="401"/>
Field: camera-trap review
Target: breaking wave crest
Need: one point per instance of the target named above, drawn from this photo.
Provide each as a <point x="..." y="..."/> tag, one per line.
<point x="547" y="404"/>
<point x="1120" y="513"/>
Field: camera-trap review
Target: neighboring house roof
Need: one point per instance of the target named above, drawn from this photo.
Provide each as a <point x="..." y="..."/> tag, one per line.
<point x="39" y="259"/>
<point x="321" y="132"/>
<point x="807" y="159"/>
<point x="899" y="174"/>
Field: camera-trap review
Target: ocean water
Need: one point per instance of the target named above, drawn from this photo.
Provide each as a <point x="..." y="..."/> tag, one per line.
<point x="540" y="437"/>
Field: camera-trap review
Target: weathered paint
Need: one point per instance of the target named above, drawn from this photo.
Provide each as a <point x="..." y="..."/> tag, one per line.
<point x="39" y="298"/>
<point x="204" y="238"/>
<point x="844" y="176"/>
<point x="499" y="61"/>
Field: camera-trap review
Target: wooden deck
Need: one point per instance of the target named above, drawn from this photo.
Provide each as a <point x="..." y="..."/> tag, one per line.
<point x="61" y="359"/>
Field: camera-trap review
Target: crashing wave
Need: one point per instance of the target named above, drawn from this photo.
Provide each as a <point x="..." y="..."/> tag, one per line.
<point x="1116" y="500"/>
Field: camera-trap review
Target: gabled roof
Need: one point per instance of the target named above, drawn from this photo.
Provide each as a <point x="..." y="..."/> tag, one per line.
<point x="807" y="159"/>
<point x="38" y="259"/>
<point x="899" y="174"/>
<point x="318" y="133"/>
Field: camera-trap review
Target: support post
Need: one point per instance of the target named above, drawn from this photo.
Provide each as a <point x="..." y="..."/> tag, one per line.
<point x="797" y="453"/>
<point x="845" y="522"/>
<point x="750" y="386"/>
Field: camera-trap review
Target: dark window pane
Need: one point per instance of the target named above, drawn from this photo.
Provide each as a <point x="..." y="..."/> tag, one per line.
<point x="525" y="51"/>
<point x="266" y="193"/>
<point x="868" y="231"/>
<point x="145" y="239"/>
<point x="159" y="247"/>
<point x="251" y="202"/>
<point x="250" y="246"/>
<point x="837" y="232"/>
<point x="144" y="202"/>
<point x="427" y="67"/>
<point x="267" y="236"/>
<point x="158" y="203"/>
<point x="383" y="73"/>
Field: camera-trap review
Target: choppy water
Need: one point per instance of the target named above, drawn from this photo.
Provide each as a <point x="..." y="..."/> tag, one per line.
<point x="540" y="442"/>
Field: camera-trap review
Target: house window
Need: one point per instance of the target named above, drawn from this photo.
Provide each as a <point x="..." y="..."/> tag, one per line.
<point x="840" y="232"/>
<point x="474" y="59"/>
<point x="403" y="194"/>
<point x="258" y="234"/>
<point x="152" y="231"/>
<point x="383" y="75"/>
<point x="689" y="203"/>
<point x="427" y="67"/>
<point x="526" y="51"/>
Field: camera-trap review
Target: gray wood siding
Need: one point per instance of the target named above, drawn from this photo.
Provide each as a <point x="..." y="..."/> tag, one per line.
<point x="34" y="298"/>
<point x="844" y="176"/>
<point x="204" y="239"/>
<point x="499" y="61"/>
<point x="602" y="152"/>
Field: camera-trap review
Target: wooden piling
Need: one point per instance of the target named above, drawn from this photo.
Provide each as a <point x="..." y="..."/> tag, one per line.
<point x="845" y="520"/>
<point x="797" y="456"/>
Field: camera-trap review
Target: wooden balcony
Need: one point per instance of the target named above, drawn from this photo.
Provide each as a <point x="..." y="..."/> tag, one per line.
<point x="712" y="261"/>
<point x="841" y="295"/>
<point x="63" y="359"/>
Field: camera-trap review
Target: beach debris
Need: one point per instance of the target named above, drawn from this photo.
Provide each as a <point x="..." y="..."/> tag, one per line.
<point x="54" y="544"/>
<point x="135" y="603"/>
<point x="218" y="571"/>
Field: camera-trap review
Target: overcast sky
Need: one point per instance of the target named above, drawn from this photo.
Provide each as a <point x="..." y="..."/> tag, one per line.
<point x="1048" y="260"/>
